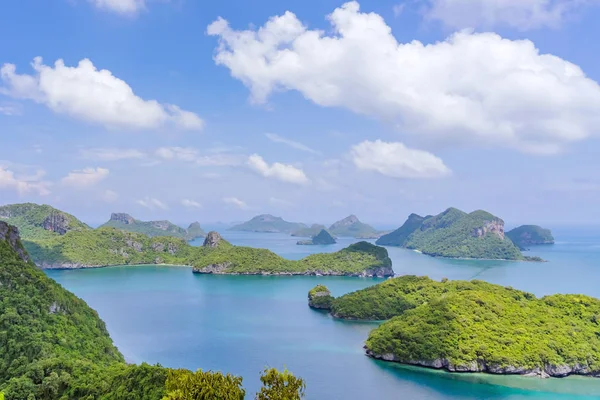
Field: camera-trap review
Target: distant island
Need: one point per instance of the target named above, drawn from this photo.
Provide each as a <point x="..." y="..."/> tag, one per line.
<point x="528" y="235"/>
<point x="310" y="231"/>
<point x="456" y="234"/>
<point x="126" y="222"/>
<point x="352" y="227"/>
<point x="267" y="223"/>
<point x="322" y="238"/>
<point x="474" y="326"/>
<point x="59" y="348"/>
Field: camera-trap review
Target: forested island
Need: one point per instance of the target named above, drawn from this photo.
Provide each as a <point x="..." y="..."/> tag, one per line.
<point x="268" y="223"/>
<point x="528" y="235"/>
<point x="351" y="226"/>
<point x="53" y="346"/>
<point x="322" y="238"/>
<point x="126" y="222"/>
<point x="456" y="234"/>
<point x="476" y="326"/>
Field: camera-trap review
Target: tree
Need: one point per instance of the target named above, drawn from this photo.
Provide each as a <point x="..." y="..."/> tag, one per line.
<point x="280" y="386"/>
<point x="183" y="384"/>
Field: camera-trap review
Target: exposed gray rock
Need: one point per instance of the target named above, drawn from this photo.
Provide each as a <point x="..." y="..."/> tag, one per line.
<point x="11" y="235"/>
<point x="495" y="226"/>
<point x="212" y="239"/>
<point x="219" y="269"/>
<point x="122" y="217"/>
<point x="56" y="222"/>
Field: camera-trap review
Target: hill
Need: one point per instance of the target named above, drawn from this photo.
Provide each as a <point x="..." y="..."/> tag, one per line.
<point x="55" y="347"/>
<point x="268" y="224"/>
<point x="528" y="235"/>
<point x="456" y="234"/>
<point x="310" y="231"/>
<point x="352" y="227"/>
<point x="322" y="238"/>
<point x="126" y="222"/>
<point x="36" y="221"/>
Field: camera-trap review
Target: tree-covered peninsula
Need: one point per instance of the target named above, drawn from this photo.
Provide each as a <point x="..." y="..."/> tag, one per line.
<point x="455" y="234"/>
<point x="528" y="235"/>
<point x="54" y="347"/>
<point x="477" y="327"/>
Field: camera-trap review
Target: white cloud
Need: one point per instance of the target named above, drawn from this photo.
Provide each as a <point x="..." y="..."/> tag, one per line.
<point x="293" y="144"/>
<point x="10" y="109"/>
<point x="109" y="196"/>
<point x="470" y="88"/>
<point x="519" y="14"/>
<point x="110" y="154"/>
<point x="397" y="160"/>
<point x="92" y="95"/>
<point x="177" y="153"/>
<point x="24" y="184"/>
<point x="282" y="172"/>
<point x="234" y="201"/>
<point x="85" y="177"/>
<point x="152" y="203"/>
<point x="191" y="203"/>
<point x="123" y="7"/>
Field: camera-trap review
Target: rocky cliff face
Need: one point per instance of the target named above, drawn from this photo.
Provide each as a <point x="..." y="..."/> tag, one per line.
<point x="350" y="220"/>
<point x="122" y="217"/>
<point x="495" y="226"/>
<point x="10" y="234"/>
<point x="212" y="239"/>
<point x="56" y="222"/>
<point x="162" y="225"/>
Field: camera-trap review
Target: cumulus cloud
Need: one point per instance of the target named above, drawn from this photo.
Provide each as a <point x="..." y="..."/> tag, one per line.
<point x="123" y="7"/>
<point x="519" y="14"/>
<point x="92" y="95"/>
<point x="152" y="203"/>
<point x="24" y="184"/>
<point x="190" y="203"/>
<point x="234" y="201"/>
<point x="397" y="160"/>
<point x="110" y="196"/>
<point x="110" y="154"/>
<point x="85" y="177"/>
<point x="474" y="88"/>
<point x="291" y="143"/>
<point x="282" y="172"/>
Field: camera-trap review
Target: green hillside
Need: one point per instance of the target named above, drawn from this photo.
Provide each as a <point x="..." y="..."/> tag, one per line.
<point x="126" y="222"/>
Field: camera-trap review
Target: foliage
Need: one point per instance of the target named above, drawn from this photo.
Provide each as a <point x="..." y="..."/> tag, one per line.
<point x="268" y="223"/>
<point x="186" y="385"/>
<point x="456" y="234"/>
<point x="29" y="218"/>
<point x="400" y="235"/>
<point x="352" y="227"/>
<point x="527" y="235"/>
<point x="311" y="231"/>
<point x="280" y="386"/>
<point x="151" y="228"/>
<point x="320" y="297"/>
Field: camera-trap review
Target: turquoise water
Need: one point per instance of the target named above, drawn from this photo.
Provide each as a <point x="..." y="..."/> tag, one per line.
<point x="240" y="325"/>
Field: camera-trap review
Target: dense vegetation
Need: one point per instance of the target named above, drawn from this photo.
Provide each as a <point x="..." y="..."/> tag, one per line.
<point x="269" y="224"/>
<point x="527" y="235"/>
<point x="501" y="330"/>
<point x="320" y="297"/>
<point x="36" y="222"/>
<point x="456" y="234"/>
<point x="352" y="227"/>
<point x="127" y="223"/>
<point x="310" y="231"/>
<point x="54" y="347"/>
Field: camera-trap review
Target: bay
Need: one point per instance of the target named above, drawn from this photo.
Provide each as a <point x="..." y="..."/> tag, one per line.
<point x="240" y="324"/>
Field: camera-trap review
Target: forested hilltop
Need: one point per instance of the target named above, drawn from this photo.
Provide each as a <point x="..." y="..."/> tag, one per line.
<point x="475" y="326"/>
<point x="456" y="234"/>
<point x="54" y="347"/>
<point x="126" y="222"/>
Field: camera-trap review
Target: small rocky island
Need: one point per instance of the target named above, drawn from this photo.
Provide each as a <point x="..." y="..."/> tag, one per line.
<point x="320" y="298"/>
<point x="322" y="238"/>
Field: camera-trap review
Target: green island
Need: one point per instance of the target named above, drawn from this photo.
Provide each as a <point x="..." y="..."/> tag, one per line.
<point x="456" y="234"/>
<point x="309" y="231"/>
<point x="352" y="227"/>
<point x="268" y="224"/>
<point x="53" y="346"/>
<point x="476" y="326"/>
<point x="320" y="297"/>
<point x="322" y="238"/>
<point x="528" y="235"/>
<point x="126" y="222"/>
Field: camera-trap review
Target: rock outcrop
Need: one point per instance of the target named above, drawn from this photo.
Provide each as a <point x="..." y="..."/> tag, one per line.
<point x="123" y="218"/>
<point x="320" y="298"/>
<point x="495" y="226"/>
<point x="10" y="234"/>
<point x="56" y="222"/>
<point x="212" y="239"/>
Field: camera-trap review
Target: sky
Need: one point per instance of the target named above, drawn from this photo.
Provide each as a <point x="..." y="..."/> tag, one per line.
<point x="310" y="110"/>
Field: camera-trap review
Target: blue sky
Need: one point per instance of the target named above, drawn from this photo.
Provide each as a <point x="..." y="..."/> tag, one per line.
<point x="218" y="111"/>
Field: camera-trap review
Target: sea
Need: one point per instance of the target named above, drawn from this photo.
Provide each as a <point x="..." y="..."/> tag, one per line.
<point x="243" y="324"/>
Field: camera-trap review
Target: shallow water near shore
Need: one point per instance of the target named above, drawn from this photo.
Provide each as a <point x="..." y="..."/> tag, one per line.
<point x="240" y="324"/>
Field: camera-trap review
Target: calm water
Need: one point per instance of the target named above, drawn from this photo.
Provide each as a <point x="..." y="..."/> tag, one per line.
<point x="240" y="325"/>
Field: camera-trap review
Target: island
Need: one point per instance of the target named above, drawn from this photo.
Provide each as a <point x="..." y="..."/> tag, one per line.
<point x="530" y="235"/>
<point x="352" y="227"/>
<point x="476" y="326"/>
<point x="322" y="238"/>
<point x="320" y="298"/>
<point x="126" y="222"/>
<point x="456" y="234"/>
<point x="60" y="348"/>
<point x="267" y="223"/>
<point x="310" y="231"/>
